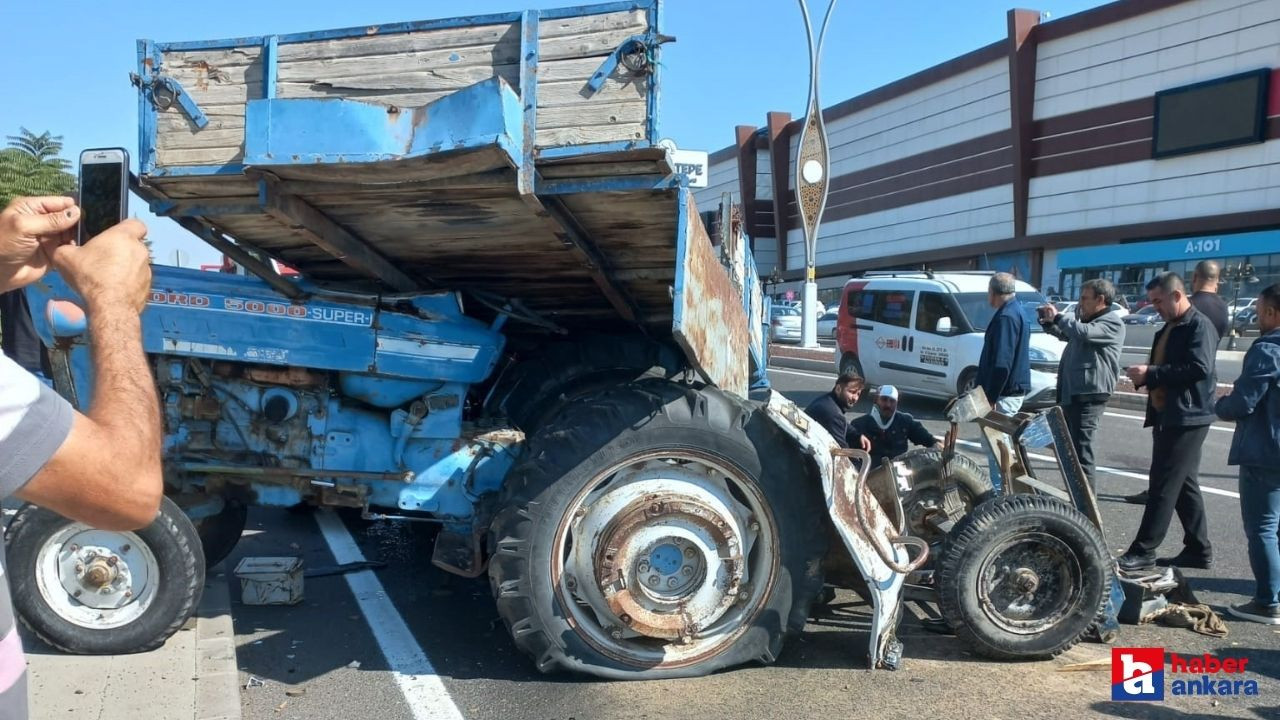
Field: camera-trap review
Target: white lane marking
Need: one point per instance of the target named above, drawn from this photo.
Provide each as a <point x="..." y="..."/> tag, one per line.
<point x="426" y="695"/>
<point x="824" y="376"/>
<point x="1219" y="428"/>
<point x="1110" y="471"/>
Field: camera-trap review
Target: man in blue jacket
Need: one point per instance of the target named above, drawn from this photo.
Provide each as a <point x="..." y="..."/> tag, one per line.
<point x="1004" y="368"/>
<point x="1254" y="403"/>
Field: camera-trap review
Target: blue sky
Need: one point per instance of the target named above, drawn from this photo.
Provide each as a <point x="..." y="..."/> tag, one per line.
<point x="66" y="64"/>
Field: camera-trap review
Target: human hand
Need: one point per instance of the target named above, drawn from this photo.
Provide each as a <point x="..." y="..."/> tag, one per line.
<point x="865" y="442"/>
<point x="1138" y="374"/>
<point x="1048" y="313"/>
<point x="31" y="228"/>
<point x="111" y="271"/>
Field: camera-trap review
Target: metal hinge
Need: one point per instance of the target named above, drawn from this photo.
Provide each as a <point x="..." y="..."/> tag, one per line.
<point x="636" y="54"/>
<point x="163" y="91"/>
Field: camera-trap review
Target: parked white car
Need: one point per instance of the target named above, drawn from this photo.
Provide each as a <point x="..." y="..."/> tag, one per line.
<point x="923" y="332"/>
<point x="827" y="324"/>
<point x="784" y="324"/>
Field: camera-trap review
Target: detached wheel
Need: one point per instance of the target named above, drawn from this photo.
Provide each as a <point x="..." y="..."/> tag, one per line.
<point x="1024" y="577"/>
<point x="927" y="496"/>
<point x="968" y="381"/>
<point x="656" y="531"/>
<point x="100" y="592"/>
<point x="219" y="533"/>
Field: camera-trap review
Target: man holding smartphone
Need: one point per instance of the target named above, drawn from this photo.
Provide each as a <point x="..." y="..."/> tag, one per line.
<point x="103" y="468"/>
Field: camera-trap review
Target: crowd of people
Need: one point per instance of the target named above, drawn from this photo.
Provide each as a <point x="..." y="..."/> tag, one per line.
<point x="1182" y="403"/>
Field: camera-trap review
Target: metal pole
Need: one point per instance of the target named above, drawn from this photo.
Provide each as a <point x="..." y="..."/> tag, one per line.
<point x="813" y="161"/>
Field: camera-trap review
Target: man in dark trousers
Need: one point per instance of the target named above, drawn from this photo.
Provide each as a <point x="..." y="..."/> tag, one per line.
<point x="1254" y="403"/>
<point x="1180" y="399"/>
<point x="829" y="411"/>
<point x="1004" y="368"/>
<point x="1090" y="362"/>
<point x="1205" y="297"/>
<point x="890" y="431"/>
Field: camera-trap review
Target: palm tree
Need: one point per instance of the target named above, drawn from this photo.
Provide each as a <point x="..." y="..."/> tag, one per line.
<point x="44" y="147"/>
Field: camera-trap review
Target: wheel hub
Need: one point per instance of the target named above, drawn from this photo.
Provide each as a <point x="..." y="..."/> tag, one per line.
<point x="98" y="576"/>
<point x="1028" y="584"/>
<point x="665" y="550"/>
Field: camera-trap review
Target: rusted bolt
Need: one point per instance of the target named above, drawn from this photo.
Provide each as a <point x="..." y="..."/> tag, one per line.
<point x="686" y="639"/>
<point x="79" y="569"/>
<point x="690" y="552"/>
<point x="113" y="560"/>
<point x="128" y="593"/>
<point x="625" y="618"/>
<point x="125" y="548"/>
<point x="580" y="512"/>
<point x="753" y="526"/>
<point x="655" y="509"/>
<point x="75" y="548"/>
<point x="76" y="593"/>
<point x="616" y="633"/>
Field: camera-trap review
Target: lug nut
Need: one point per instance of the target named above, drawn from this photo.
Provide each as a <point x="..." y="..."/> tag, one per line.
<point x="76" y="593"/>
<point x="753" y="526"/>
<point x="79" y="569"/>
<point x="616" y="633"/>
<point x="671" y="583"/>
<point x="625" y="618"/>
<point x="686" y="570"/>
<point x="653" y="580"/>
<point x="128" y="593"/>
<point x="643" y="567"/>
<point x="75" y="548"/>
<point x="113" y="560"/>
<point x="689" y="552"/>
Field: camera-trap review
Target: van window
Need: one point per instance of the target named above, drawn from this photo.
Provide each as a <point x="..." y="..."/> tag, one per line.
<point x="931" y="308"/>
<point x="979" y="311"/>
<point x="893" y="307"/>
<point x="861" y="304"/>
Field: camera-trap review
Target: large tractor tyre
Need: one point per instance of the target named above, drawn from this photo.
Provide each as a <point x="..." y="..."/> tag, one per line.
<point x="534" y="388"/>
<point x="926" y="495"/>
<point x="657" y="530"/>
<point x="850" y="364"/>
<point x="98" y="592"/>
<point x="219" y="533"/>
<point x="1023" y="578"/>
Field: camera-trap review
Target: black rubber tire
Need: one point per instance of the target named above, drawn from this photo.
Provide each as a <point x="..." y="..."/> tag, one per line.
<point x="220" y="533"/>
<point x="530" y="391"/>
<point x="176" y="546"/>
<point x="966" y="381"/>
<point x="849" y="362"/>
<point x="994" y="523"/>
<point x="605" y="428"/>
<point x="925" y="465"/>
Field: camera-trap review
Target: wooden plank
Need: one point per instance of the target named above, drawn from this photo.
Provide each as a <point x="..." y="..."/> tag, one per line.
<point x="400" y="43"/>
<point x="221" y="58"/>
<point x="343" y="245"/>
<point x="198" y="187"/>
<point x="198" y="156"/>
<point x="556" y="137"/>
<point x="587" y="113"/>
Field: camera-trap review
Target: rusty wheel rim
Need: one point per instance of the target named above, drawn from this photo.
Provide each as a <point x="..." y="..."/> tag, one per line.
<point x="665" y="559"/>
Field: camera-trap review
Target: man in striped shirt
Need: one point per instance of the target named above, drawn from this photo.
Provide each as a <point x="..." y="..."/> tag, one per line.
<point x="103" y="468"/>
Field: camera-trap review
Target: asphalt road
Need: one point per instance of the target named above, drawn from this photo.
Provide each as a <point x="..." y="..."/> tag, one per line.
<point x="430" y="645"/>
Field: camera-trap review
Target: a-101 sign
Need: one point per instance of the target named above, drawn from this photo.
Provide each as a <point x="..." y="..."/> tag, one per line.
<point x="1203" y="246"/>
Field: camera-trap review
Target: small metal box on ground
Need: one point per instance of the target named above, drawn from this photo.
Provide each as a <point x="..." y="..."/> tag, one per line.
<point x="270" y="580"/>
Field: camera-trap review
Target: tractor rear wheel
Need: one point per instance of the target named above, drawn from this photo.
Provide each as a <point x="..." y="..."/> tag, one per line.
<point x="656" y="530"/>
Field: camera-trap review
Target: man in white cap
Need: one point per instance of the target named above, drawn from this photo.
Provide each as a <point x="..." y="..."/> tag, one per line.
<point x="891" y="431"/>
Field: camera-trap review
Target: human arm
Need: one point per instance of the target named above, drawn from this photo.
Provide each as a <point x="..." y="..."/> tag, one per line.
<point x="107" y="472"/>
<point x="1191" y="366"/>
<point x="1105" y="330"/>
<point x="921" y="436"/>
<point x="1260" y="373"/>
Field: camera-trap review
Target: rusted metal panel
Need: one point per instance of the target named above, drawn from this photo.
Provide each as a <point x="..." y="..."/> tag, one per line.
<point x="841" y="484"/>
<point x="709" y="320"/>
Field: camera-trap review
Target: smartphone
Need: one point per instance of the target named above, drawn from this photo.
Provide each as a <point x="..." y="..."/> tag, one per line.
<point x="104" y="190"/>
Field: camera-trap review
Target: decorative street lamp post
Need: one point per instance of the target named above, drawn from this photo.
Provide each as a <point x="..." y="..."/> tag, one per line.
<point x="1237" y="274"/>
<point x="813" y="162"/>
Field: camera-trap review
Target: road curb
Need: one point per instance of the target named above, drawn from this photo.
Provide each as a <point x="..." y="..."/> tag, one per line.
<point x="218" y="680"/>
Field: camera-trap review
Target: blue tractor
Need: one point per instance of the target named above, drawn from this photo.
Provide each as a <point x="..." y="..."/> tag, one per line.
<point x="512" y="322"/>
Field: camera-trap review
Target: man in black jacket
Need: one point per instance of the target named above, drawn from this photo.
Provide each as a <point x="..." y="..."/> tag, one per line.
<point x="1180" y="399"/>
<point x="890" y="431"/>
<point x="1205" y="297"/>
<point x="829" y="411"/>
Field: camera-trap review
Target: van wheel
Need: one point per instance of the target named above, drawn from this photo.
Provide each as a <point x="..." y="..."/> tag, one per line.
<point x="850" y="364"/>
<point x="968" y="381"/>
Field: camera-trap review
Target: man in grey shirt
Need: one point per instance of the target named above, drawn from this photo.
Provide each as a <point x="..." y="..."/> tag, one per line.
<point x="102" y="469"/>
<point x="1090" y="363"/>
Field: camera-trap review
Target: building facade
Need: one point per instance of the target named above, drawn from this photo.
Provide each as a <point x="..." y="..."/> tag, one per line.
<point x="1067" y="149"/>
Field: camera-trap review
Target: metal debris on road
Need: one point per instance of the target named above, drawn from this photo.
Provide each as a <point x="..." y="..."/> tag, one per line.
<point x="254" y="681"/>
<point x="354" y="664"/>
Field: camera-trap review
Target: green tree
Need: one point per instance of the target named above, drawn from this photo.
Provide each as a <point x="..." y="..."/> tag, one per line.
<point x="31" y="166"/>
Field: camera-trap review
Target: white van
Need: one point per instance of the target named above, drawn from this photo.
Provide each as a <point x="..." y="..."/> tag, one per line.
<point x="923" y="332"/>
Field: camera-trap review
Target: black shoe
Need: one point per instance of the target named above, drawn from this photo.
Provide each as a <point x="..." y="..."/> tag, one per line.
<point x="1256" y="612"/>
<point x="1138" y="499"/>
<point x="1131" y="562"/>
<point x="1185" y="559"/>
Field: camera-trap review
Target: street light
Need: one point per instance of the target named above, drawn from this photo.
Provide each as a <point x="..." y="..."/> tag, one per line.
<point x="813" y="161"/>
<point x="1237" y="274"/>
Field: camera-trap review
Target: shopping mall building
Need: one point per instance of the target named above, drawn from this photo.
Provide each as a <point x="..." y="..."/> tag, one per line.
<point x="1139" y="136"/>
